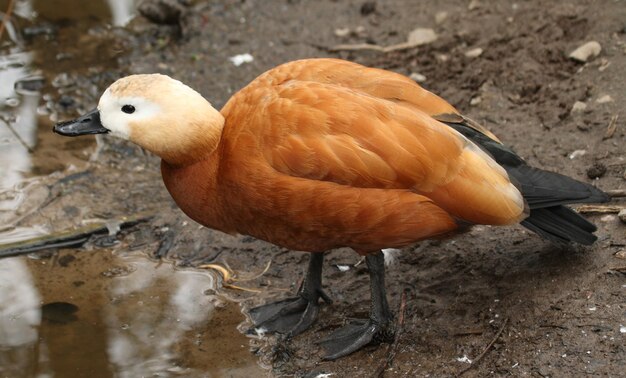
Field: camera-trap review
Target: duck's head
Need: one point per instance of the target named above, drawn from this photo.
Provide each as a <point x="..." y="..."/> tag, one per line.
<point x="157" y="113"/>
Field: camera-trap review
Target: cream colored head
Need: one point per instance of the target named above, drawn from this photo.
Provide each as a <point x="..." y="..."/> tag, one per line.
<point x="163" y="116"/>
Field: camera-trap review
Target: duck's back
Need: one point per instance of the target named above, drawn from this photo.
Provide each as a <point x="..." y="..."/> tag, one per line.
<point x="332" y="121"/>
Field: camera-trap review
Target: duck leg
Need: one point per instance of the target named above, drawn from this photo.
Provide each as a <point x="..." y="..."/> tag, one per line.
<point x="379" y="326"/>
<point x="296" y="314"/>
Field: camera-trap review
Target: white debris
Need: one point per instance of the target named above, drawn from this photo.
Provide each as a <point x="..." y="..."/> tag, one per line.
<point x="421" y="36"/>
<point x="577" y="153"/>
<point x="417" y="77"/>
<point x="593" y="308"/>
<point x="579" y="106"/>
<point x="324" y="375"/>
<point x="585" y="52"/>
<point x="622" y="329"/>
<point x="390" y="255"/>
<point x="464" y="359"/>
<point x="604" y="99"/>
<point x="240" y="59"/>
<point x="474" y="53"/>
<point x="343" y="268"/>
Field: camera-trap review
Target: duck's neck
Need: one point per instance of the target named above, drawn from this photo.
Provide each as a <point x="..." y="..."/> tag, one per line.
<point x="202" y="130"/>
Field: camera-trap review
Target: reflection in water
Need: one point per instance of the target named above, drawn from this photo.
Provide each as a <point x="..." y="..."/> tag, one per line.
<point x="19" y="316"/>
<point x="111" y="316"/>
<point x="144" y="324"/>
<point x="19" y="113"/>
<point x="19" y="110"/>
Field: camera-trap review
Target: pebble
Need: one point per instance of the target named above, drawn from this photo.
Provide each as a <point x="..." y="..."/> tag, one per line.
<point x="597" y="170"/>
<point x="417" y="77"/>
<point x="161" y="11"/>
<point x="342" y="32"/>
<point x="476" y="100"/>
<point x="422" y="36"/>
<point x="621" y="254"/>
<point x="586" y="51"/>
<point x="440" y="17"/>
<point x="579" y="106"/>
<point x="368" y="8"/>
<point x="622" y="216"/>
<point x="474" y="53"/>
<point x="604" y="99"/>
<point x="474" y="4"/>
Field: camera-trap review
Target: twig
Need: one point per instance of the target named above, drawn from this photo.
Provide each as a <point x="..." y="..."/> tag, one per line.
<point x="72" y="238"/>
<point x="393" y="347"/>
<point x="615" y="193"/>
<point x="484" y="352"/>
<point x="371" y="47"/>
<point x="6" y="17"/>
<point x="610" y="130"/>
<point x="15" y="134"/>
<point x="601" y="208"/>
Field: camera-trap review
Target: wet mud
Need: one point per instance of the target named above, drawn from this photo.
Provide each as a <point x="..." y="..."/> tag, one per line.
<point x="533" y="308"/>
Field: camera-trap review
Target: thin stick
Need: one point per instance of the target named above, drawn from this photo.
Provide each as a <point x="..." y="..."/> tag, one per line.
<point x="15" y="134"/>
<point x="615" y="193"/>
<point x="371" y="47"/>
<point x="484" y="352"/>
<point x="6" y="17"/>
<point x="601" y="208"/>
<point x="392" y="348"/>
<point x="610" y="130"/>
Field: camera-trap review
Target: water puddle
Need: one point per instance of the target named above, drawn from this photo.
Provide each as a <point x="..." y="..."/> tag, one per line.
<point x="53" y="57"/>
<point x="84" y="312"/>
<point x="98" y="314"/>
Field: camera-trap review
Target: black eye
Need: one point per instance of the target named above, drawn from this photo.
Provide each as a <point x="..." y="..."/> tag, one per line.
<point x="128" y="109"/>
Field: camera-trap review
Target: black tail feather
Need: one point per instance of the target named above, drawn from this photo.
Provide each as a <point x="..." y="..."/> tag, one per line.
<point x="560" y="224"/>
<point x="545" y="192"/>
<point x="546" y="189"/>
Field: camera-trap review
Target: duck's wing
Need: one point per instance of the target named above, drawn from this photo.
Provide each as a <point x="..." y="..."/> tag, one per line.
<point x="332" y="133"/>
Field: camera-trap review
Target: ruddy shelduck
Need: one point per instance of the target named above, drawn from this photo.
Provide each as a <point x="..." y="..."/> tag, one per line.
<point x="319" y="154"/>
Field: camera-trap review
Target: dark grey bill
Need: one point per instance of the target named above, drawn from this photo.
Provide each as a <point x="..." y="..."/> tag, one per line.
<point x="83" y="125"/>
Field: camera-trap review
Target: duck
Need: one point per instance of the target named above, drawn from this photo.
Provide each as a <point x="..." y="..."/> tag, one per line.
<point x="319" y="154"/>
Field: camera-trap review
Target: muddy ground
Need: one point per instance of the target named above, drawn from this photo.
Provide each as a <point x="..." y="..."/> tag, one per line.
<point x="560" y="309"/>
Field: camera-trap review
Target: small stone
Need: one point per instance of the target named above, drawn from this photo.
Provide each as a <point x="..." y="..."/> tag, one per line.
<point x="342" y="32"/>
<point x="440" y="17"/>
<point x="422" y="36"/>
<point x="476" y="100"/>
<point x="622" y="216"/>
<point x="597" y="170"/>
<point x="621" y="254"/>
<point x="579" y="106"/>
<point x="609" y="218"/>
<point x="586" y="51"/>
<point x="604" y="99"/>
<point x="474" y="53"/>
<point x="417" y="77"/>
<point x="167" y="12"/>
<point x="442" y="57"/>
<point x="474" y="4"/>
<point x="368" y="8"/>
